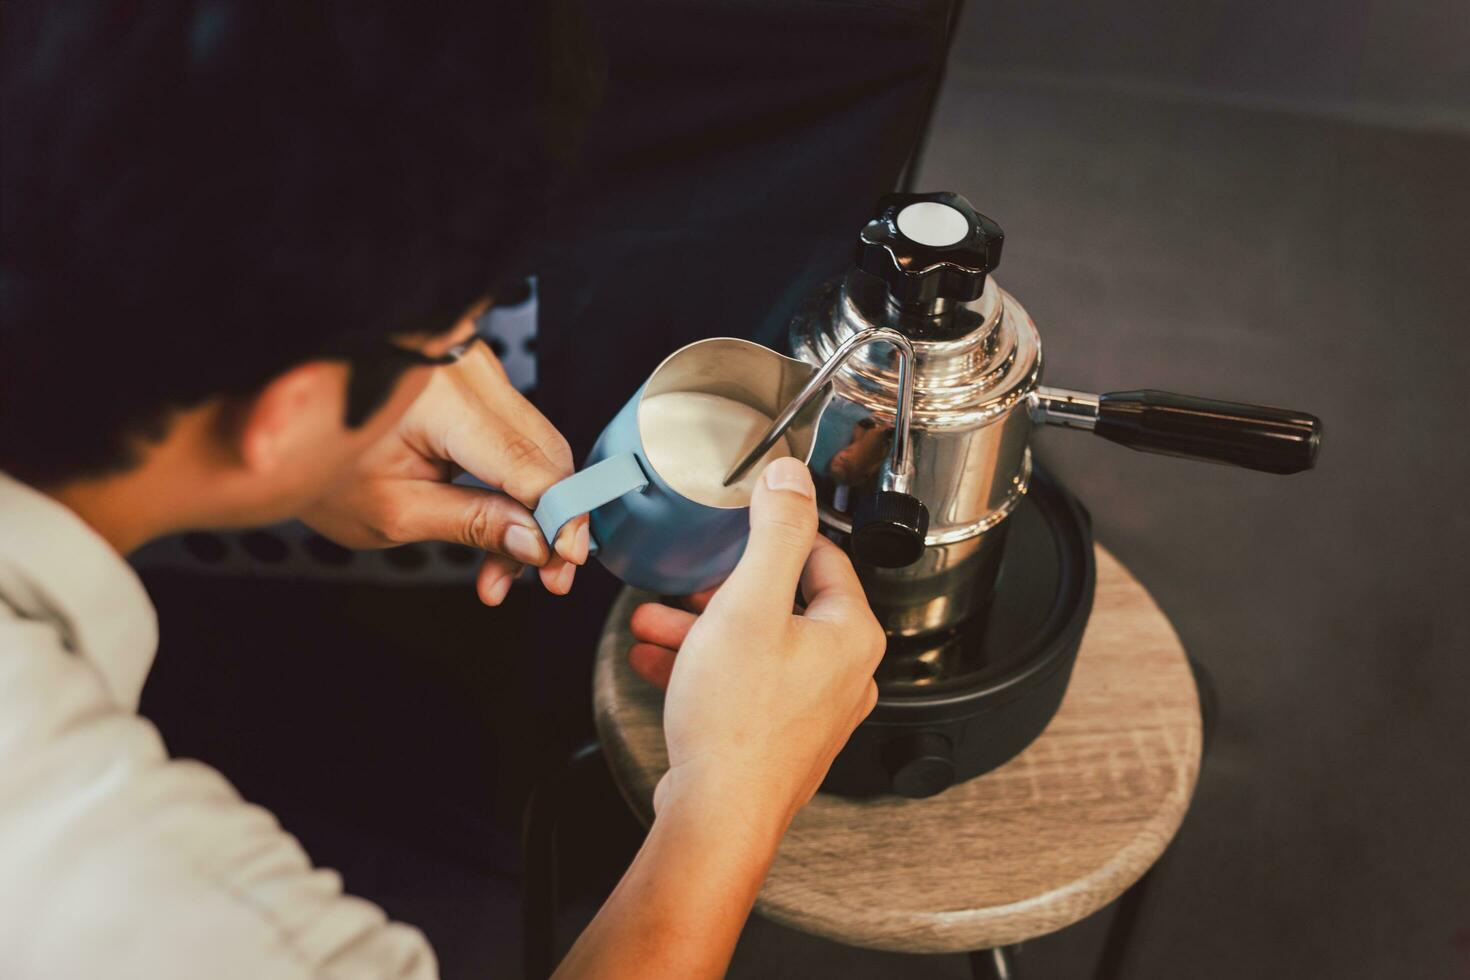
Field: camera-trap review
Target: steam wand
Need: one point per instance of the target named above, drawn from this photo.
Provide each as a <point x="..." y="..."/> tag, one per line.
<point x="898" y="470"/>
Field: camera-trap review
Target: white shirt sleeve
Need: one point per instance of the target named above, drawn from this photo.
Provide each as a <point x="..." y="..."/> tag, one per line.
<point x="117" y="861"/>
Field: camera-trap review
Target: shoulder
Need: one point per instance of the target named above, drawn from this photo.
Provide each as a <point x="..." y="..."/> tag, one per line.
<point x="116" y="860"/>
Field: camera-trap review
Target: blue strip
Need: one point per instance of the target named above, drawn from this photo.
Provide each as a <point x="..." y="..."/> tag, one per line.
<point x="588" y="490"/>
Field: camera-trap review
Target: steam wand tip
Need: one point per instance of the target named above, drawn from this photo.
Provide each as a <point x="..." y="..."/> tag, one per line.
<point x="740" y="468"/>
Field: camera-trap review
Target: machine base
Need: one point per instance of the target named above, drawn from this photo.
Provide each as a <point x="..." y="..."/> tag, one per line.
<point x="957" y="705"/>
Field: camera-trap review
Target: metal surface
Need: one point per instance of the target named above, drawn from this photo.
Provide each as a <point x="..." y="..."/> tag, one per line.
<point x="1026" y="578"/>
<point x="968" y="434"/>
<point x="968" y="441"/>
<point x="948" y="584"/>
<point x="993" y="964"/>
<point x="975" y="372"/>
<point x="899" y="468"/>
<point x="1065" y="407"/>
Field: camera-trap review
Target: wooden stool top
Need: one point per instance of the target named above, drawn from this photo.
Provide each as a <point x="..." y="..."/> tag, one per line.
<point x="1047" y="839"/>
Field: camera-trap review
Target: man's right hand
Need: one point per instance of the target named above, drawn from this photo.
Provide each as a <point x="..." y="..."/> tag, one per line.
<point x="760" y="700"/>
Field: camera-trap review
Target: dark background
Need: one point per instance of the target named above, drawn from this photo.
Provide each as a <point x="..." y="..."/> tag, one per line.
<point x="1257" y="201"/>
<point x="1268" y="202"/>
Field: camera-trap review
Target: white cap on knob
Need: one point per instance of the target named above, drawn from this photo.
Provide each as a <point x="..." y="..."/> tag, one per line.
<point x="933" y="224"/>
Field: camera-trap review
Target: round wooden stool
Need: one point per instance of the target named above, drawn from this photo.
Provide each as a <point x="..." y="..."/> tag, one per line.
<point x="1047" y="839"/>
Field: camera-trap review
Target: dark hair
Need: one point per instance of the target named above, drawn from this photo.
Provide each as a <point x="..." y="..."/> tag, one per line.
<point x="198" y="195"/>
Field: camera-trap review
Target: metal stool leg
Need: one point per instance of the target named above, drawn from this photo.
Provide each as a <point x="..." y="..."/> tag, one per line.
<point x="994" y="964"/>
<point x="1115" y="950"/>
<point x="540" y="877"/>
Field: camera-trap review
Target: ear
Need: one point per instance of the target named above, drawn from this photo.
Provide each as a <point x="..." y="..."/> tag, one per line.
<point x="294" y="408"/>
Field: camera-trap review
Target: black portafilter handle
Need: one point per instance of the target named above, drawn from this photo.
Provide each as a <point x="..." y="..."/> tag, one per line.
<point x="1256" y="437"/>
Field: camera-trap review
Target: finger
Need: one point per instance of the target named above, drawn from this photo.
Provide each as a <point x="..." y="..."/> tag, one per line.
<point x="557" y="575"/>
<point x="506" y="459"/>
<point x="510" y="445"/>
<point x="653" y="663"/>
<point x="482" y="375"/>
<point x="699" y="601"/>
<point x="498" y="453"/>
<point x="783" y="522"/>
<point x="831" y="586"/>
<point x="660" y="624"/>
<point x="497" y="574"/>
<point x="423" y="510"/>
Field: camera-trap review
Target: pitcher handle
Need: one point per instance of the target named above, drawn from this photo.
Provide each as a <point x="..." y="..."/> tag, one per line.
<point x="584" y="492"/>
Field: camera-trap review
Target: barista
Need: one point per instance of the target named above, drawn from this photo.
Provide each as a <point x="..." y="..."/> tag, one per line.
<point x="236" y="243"/>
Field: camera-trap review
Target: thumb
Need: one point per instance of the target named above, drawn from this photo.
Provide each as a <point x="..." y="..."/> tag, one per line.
<point x="783" y="526"/>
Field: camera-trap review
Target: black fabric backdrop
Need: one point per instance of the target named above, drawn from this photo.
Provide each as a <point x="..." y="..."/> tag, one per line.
<point x="739" y="150"/>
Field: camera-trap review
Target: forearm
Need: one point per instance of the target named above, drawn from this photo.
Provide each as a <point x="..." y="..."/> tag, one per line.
<point x="679" y="908"/>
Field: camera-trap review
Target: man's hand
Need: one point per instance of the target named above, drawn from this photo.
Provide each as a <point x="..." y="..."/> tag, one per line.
<point x="760" y="700"/>
<point x="469" y="418"/>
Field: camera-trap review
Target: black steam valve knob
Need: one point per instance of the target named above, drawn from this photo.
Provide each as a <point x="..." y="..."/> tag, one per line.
<point x="930" y="249"/>
<point x="888" y="529"/>
<point x="920" y="764"/>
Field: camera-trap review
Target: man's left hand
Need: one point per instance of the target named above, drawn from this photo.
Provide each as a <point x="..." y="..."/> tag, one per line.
<point x="469" y="419"/>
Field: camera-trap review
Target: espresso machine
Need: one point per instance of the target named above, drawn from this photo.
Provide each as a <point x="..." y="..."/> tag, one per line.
<point x="978" y="564"/>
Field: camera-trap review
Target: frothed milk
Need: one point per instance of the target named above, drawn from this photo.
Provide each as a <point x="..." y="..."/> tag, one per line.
<point x="693" y="438"/>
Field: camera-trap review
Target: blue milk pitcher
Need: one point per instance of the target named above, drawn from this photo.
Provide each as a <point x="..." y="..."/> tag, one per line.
<point x="644" y="531"/>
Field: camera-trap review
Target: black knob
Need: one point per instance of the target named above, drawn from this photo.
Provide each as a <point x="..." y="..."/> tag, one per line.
<point x="929" y="247"/>
<point x="888" y="529"/>
<point x="920" y="764"/>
